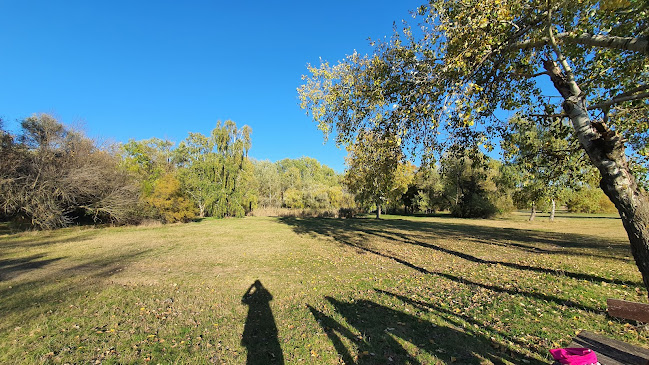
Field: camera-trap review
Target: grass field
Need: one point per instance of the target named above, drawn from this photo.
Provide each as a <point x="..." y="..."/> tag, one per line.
<point x="402" y="290"/>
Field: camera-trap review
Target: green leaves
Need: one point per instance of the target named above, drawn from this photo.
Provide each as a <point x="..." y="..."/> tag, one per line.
<point x="377" y="173"/>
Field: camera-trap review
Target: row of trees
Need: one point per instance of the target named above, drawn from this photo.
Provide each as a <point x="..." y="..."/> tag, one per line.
<point x="52" y="176"/>
<point x="469" y="184"/>
<point x="204" y="176"/>
<point x="301" y="183"/>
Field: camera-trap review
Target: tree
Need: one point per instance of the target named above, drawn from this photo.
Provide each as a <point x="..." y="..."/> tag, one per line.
<point x="469" y="59"/>
<point x="474" y="188"/>
<point x="548" y="161"/>
<point x="215" y="172"/>
<point x="268" y="180"/>
<point x="430" y="186"/>
<point x="170" y="204"/>
<point x="148" y="160"/>
<point x="301" y="183"/>
<point x="376" y="173"/>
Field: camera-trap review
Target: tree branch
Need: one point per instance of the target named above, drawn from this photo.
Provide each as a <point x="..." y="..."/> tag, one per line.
<point x="570" y="77"/>
<point x="619" y="99"/>
<point x="633" y="44"/>
<point x="549" y="116"/>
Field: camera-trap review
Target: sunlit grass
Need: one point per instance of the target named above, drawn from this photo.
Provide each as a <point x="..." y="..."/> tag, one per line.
<point x="396" y="290"/>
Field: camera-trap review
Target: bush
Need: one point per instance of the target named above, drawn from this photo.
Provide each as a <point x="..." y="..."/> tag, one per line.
<point x="52" y="176"/>
<point x="348" y="212"/>
<point x="474" y="202"/>
<point x="169" y="203"/>
<point x="590" y="200"/>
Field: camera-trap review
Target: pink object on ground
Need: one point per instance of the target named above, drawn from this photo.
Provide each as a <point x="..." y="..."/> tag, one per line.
<point x="574" y="356"/>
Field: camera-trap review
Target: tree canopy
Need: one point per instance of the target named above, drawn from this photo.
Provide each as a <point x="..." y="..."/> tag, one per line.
<point x="443" y="85"/>
<point x="377" y="173"/>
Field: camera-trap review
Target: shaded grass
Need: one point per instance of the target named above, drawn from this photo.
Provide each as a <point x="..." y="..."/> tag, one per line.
<point x="415" y="290"/>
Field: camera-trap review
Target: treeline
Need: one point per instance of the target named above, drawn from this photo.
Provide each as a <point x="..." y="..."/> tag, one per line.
<point x="301" y="183"/>
<point x="484" y="187"/>
<point x="52" y="176"/>
<point x="539" y="170"/>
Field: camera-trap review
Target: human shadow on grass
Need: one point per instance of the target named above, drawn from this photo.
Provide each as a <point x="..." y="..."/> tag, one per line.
<point x="260" y="331"/>
<point x="348" y="235"/>
<point x="378" y="331"/>
<point x="11" y="268"/>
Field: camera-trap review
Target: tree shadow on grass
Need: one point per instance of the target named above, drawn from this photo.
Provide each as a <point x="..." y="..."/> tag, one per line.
<point x="260" y="330"/>
<point x="11" y="268"/>
<point x="529" y="240"/>
<point x="379" y="332"/>
<point x="46" y="239"/>
<point x="354" y="232"/>
<point x="403" y="238"/>
<point x="24" y="300"/>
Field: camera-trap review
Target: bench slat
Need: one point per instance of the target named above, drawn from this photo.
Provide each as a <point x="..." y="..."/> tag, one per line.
<point x="611" y="352"/>
<point x="628" y="310"/>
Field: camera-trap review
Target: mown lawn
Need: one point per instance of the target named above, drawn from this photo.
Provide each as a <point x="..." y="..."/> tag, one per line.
<point x="417" y="290"/>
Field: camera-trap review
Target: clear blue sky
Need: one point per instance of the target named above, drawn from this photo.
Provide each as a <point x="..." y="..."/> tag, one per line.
<point x="141" y="69"/>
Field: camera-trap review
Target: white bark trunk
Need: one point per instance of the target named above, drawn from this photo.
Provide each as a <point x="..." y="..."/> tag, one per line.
<point x="606" y="151"/>
<point x="554" y="206"/>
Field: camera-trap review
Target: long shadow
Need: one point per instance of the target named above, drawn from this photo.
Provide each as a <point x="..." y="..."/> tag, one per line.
<point x="46" y="239"/>
<point x="25" y="300"/>
<point x="344" y="230"/>
<point x="348" y="235"/>
<point x="580" y="276"/>
<point x="11" y="268"/>
<point x="449" y="315"/>
<point x="380" y="328"/>
<point x="525" y="239"/>
<point x="260" y="331"/>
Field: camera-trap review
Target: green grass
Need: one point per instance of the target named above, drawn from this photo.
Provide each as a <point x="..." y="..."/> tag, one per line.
<point x="418" y="290"/>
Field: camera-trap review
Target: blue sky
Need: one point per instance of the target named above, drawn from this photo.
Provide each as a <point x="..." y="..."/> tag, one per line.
<point x="141" y="69"/>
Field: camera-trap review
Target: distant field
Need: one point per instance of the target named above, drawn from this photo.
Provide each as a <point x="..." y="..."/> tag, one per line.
<point x="418" y="290"/>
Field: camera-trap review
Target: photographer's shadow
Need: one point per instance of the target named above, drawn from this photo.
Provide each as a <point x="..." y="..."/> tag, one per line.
<point x="260" y="331"/>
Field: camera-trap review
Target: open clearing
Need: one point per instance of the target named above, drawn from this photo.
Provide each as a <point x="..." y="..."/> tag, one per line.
<point x="419" y="290"/>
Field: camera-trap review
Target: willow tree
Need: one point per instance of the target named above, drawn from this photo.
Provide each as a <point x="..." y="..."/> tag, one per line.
<point x="446" y="82"/>
<point x="215" y="171"/>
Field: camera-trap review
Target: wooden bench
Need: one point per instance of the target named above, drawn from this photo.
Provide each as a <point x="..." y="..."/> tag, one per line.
<point x="628" y="310"/>
<point x="611" y="352"/>
<point x="614" y="352"/>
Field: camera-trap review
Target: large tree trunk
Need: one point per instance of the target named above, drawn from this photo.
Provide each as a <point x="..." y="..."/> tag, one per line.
<point x="378" y="211"/>
<point x="554" y="208"/>
<point x="533" y="213"/>
<point x="605" y="148"/>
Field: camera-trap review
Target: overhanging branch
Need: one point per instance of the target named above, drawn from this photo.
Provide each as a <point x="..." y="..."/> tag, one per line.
<point x="633" y="44"/>
<point x="619" y="99"/>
